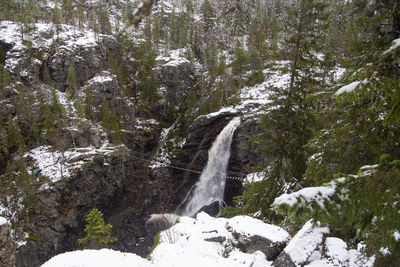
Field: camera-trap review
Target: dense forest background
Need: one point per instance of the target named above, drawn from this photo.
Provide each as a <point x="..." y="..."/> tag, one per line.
<point x="335" y="125"/>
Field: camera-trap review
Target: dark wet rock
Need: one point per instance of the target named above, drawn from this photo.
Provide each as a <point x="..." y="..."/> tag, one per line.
<point x="212" y="209"/>
<point x="284" y="260"/>
<point x="253" y="243"/>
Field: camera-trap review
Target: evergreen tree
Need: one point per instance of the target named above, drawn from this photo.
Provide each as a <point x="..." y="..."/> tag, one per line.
<point x="208" y="17"/>
<point x="115" y="130"/>
<point x="88" y="103"/>
<point x="106" y="116"/>
<point x="81" y="14"/>
<point x="57" y="18"/>
<point x="67" y="10"/>
<point x="239" y="63"/>
<point x="96" y="230"/>
<point x="103" y="20"/>
<point x="14" y="137"/>
<point x="156" y="31"/>
<point x="182" y="31"/>
<point x="72" y="81"/>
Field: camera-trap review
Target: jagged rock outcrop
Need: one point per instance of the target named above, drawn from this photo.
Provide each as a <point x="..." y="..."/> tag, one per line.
<point x="114" y="182"/>
<point x="88" y="60"/>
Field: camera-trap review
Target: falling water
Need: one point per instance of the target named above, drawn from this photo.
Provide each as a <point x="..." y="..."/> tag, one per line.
<point x="211" y="184"/>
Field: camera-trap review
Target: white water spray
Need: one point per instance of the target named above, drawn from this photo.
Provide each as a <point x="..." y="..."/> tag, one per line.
<point x="211" y="184"/>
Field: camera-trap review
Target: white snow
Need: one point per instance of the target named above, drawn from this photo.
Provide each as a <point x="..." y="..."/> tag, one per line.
<point x="57" y="164"/>
<point x="385" y="251"/>
<point x="254" y="177"/>
<point x="305" y="242"/>
<point x="348" y="88"/>
<point x="395" y="45"/>
<point x="249" y="226"/>
<point x="336" y="250"/>
<point x="224" y="110"/>
<point x="69" y="39"/>
<point x="319" y="194"/>
<point x="96" y="258"/>
<point x="396" y="235"/>
<point x="3" y="221"/>
<point x="102" y="78"/>
<point x="174" y="58"/>
<point x="184" y="245"/>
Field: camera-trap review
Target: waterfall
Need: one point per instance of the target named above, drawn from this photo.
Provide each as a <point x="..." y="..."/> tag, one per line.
<point x="211" y="184"/>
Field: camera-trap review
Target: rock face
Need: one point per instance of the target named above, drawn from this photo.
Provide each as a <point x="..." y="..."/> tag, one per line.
<point x="117" y="185"/>
<point x="213" y="209"/>
<point x="7" y="247"/>
<point x="87" y="61"/>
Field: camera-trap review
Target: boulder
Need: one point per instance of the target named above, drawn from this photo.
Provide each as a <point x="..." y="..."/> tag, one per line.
<point x="251" y="244"/>
<point x="160" y="222"/>
<point x="212" y="209"/>
<point x="284" y="260"/>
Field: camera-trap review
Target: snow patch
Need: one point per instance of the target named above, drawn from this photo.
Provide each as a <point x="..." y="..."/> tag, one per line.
<point x="96" y="258"/>
<point x="254" y="177"/>
<point x="348" y="88"/>
<point x="319" y="194"/>
<point x="63" y="164"/>
<point x="173" y="59"/>
<point x="3" y="221"/>
<point x="395" y="45"/>
<point x="305" y="242"/>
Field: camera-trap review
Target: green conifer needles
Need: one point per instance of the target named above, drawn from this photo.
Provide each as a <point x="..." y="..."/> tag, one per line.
<point x="96" y="230"/>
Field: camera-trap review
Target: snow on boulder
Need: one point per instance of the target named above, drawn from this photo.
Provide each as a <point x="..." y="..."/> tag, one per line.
<point x="96" y="258"/>
<point x="209" y="241"/>
<point x="305" y="243"/>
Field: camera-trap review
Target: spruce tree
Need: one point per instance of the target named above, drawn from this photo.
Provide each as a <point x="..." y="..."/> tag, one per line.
<point x="72" y="81"/>
<point x="96" y="230"/>
<point x="106" y="115"/>
<point x="239" y="63"/>
<point x="208" y="17"/>
<point x="88" y="103"/>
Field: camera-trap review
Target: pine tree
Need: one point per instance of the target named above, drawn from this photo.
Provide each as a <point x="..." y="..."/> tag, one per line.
<point x="115" y="130"/>
<point x="182" y="31"/>
<point x="88" y="103"/>
<point x="208" y="16"/>
<point x="156" y="31"/>
<point x="81" y="14"/>
<point x="14" y="137"/>
<point x="103" y="20"/>
<point x="96" y="230"/>
<point x="239" y="63"/>
<point x="106" y="116"/>
<point x="57" y="18"/>
<point x="72" y="81"/>
<point x="67" y="10"/>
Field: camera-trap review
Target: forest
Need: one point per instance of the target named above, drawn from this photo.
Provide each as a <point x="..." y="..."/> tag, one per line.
<point x="328" y="128"/>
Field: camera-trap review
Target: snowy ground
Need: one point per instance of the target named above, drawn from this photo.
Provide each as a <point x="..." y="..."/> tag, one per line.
<point x="188" y="243"/>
